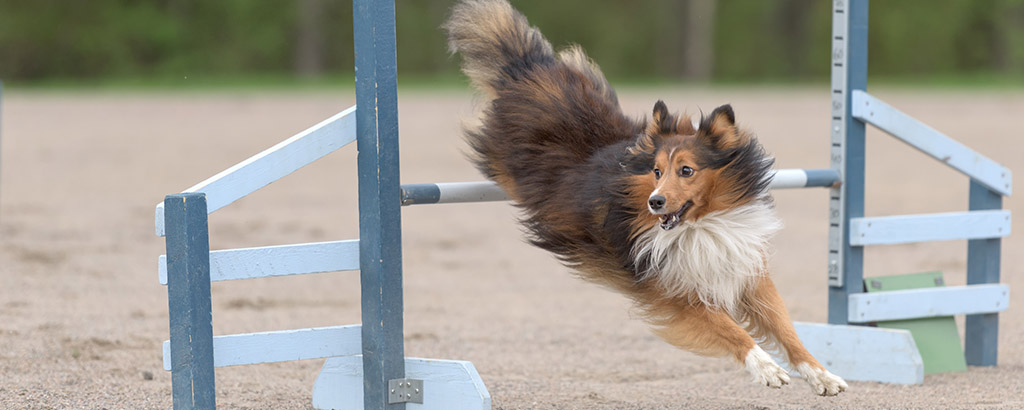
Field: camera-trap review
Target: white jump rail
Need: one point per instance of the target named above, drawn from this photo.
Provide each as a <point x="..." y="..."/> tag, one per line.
<point x="888" y="230"/>
<point x="487" y="191"/>
<point x="928" y="302"/>
<point x="935" y="144"/>
<point x="281" y="346"/>
<point x="273" y="163"/>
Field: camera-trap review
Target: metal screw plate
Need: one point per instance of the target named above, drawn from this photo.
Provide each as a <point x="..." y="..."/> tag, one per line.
<point x="405" y="391"/>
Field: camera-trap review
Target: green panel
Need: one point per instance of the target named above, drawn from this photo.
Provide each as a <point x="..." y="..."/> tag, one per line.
<point x="937" y="338"/>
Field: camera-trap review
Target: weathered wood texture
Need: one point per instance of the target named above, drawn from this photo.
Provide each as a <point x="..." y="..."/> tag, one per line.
<point x="888" y="230"/>
<point x="281" y="346"/>
<point x="189" y="305"/>
<point x="380" y="222"/>
<point x="282" y="260"/>
<point x="929" y="302"/>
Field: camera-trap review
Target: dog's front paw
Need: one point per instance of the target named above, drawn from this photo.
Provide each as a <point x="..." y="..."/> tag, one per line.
<point x="764" y="370"/>
<point x="822" y="381"/>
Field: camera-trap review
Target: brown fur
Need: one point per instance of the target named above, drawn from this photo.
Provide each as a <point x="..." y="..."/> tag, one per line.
<point x="553" y="137"/>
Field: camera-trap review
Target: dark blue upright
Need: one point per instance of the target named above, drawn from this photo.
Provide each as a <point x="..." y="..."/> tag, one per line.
<point x="380" y="223"/>
<point x="188" y="299"/>
<point x="981" y="332"/>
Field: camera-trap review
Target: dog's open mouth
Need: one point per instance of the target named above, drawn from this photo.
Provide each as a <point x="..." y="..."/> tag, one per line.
<point x="669" y="221"/>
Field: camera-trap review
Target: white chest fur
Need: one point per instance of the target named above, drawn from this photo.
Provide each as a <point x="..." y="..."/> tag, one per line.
<point x="713" y="259"/>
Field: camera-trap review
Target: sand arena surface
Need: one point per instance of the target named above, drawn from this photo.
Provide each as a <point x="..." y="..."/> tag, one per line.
<point x="82" y="315"/>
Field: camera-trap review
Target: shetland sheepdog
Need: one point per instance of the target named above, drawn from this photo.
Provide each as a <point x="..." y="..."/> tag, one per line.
<point x="675" y="216"/>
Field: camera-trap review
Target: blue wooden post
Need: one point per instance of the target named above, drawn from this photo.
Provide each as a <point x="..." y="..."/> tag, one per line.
<point x="380" y="224"/>
<point x="849" y="72"/>
<point x="188" y="299"/>
<point x="982" y="331"/>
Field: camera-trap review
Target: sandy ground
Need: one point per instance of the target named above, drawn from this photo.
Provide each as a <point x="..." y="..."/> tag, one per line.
<point x="82" y="315"/>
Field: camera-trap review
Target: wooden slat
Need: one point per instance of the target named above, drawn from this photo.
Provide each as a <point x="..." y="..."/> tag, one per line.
<point x="861" y="353"/>
<point x="869" y="109"/>
<point x="274" y="163"/>
<point x="888" y="230"/>
<point x="282" y="260"/>
<point x="933" y="302"/>
<point x="282" y="346"/>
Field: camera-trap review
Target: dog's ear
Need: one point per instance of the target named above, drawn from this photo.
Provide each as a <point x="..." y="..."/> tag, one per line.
<point x="719" y="129"/>
<point x="661" y="121"/>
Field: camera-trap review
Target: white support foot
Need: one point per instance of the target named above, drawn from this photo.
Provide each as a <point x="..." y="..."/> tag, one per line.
<point x="862" y="353"/>
<point x="447" y="384"/>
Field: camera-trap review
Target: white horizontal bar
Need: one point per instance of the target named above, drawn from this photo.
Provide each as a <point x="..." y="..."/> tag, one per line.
<point x="863" y="353"/>
<point x="789" y="178"/>
<point x="934" y="143"/>
<point x="273" y="163"/>
<point x="888" y="230"/>
<point x="485" y="191"/>
<point x="283" y="260"/>
<point x="282" y="346"/>
<point x="928" y="302"/>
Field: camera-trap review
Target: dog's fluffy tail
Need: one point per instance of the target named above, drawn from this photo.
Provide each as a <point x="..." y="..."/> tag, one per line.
<point x="496" y="43"/>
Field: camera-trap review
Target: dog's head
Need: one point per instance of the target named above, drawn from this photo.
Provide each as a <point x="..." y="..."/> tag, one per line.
<point x="692" y="172"/>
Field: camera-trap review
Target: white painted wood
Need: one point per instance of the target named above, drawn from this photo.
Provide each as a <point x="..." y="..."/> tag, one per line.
<point x="273" y="163"/>
<point x="484" y="191"/>
<point x="862" y="353"/>
<point x="869" y="109"/>
<point x="159" y="219"/>
<point x="447" y="385"/>
<point x="282" y="346"/>
<point x="928" y="302"/>
<point x="282" y="260"/>
<point x="949" y="226"/>
<point x="789" y="178"/>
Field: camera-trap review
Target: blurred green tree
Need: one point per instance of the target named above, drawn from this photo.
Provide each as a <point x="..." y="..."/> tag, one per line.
<point x="640" y="40"/>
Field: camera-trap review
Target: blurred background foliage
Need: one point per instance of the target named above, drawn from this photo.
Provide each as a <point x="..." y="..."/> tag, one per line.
<point x="726" y="41"/>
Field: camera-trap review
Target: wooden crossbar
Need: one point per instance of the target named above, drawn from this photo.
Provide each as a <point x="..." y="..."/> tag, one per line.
<point x="281" y="346"/>
<point x="928" y="302"/>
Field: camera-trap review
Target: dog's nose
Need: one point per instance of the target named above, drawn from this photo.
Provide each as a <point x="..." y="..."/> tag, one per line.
<point x="656" y="202"/>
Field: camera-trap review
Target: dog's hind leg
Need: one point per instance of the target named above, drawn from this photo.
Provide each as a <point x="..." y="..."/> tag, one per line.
<point x="768" y="320"/>
<point x="695" y="327"/>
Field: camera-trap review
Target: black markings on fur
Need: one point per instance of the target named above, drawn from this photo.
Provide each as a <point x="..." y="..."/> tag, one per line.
<point x="746" y="165"/>
<point x="639" y="163"/>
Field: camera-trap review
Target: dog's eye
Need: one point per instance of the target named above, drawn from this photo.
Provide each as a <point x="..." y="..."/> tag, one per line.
<point x="657" y="173"/>
<point x="686" y="172"/>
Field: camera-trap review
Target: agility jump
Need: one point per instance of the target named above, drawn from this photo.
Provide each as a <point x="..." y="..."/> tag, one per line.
<point x="367" y="367"/>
